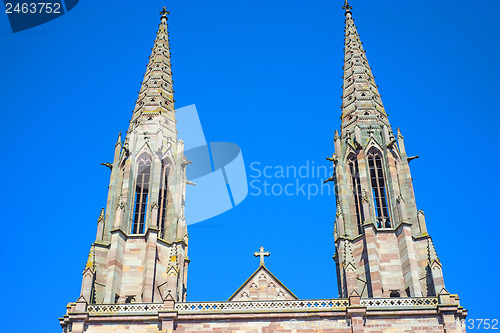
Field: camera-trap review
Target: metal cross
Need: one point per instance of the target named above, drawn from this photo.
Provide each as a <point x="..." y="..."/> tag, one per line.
<point x="164" y="11"/>
<point x="262" y="254"/>
<point x="346" y="6"/>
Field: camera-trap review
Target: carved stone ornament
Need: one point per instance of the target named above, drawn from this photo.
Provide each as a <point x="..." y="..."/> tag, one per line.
<point x="101" y="216"/>
<point x="339" y="210"/>
<point x="364" y="196"/>
<point x="333" y="158"/>
<point x="400" y="199"/>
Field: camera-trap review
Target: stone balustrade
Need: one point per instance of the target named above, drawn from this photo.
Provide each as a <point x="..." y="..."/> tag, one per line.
<point x="261" y="306"/>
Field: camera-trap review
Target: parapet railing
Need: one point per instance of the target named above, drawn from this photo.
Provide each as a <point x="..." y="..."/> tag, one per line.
<point x="128" y="308"/>
<point x="409" y="302"/>
<point x="260" y="306"/>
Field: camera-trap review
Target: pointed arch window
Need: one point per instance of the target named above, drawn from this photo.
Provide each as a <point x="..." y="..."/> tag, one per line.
<point x="141" y="193"/>
<point x="163" y="198"/>
<point x="378" y="189"/>
<point x="356" y="191"/>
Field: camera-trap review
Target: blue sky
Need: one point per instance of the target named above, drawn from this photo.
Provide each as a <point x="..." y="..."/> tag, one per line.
<point x="265" y="75"/>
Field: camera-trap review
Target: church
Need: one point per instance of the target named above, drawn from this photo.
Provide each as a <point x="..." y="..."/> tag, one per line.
<point x="389" y="275"/>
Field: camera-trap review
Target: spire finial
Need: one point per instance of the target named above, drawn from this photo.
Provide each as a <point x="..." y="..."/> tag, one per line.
<point x="91" y="259"/>
<point x="346" y="7"/>
<point x="119" y="140"/>
<point x="101" y="216"/>
<point x="164" y="12"/>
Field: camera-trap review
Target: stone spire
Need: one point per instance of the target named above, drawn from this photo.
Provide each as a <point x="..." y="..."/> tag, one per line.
<point x="361" y="102"/>
<point x="378" y="220"/>
<point x="146" y="195"/>
<point x="156" y="96"/>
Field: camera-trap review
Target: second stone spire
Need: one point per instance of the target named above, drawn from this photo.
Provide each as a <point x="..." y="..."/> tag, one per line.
<point x="156" y="96"/>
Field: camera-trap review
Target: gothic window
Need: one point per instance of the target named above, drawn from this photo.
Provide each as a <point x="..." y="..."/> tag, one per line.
<point x="356" y="191"/>
<point x="163" y="199"/>
<point x="141" y="193"/>
<point x="378" y="189"/>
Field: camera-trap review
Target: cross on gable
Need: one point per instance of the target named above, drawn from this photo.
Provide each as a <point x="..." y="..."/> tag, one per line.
<point x="262" y="254"/>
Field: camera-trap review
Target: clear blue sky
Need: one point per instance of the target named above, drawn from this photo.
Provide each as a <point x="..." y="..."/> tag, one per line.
<point x="267" y="76"/>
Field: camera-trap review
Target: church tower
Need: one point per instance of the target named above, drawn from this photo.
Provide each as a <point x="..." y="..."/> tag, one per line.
<point x="140" y="251"/>
<point x="389" y="275"/>
<point x="382" y="246"/>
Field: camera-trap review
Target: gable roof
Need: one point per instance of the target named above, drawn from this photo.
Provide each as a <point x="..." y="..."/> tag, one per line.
<point x="262" y="285"/>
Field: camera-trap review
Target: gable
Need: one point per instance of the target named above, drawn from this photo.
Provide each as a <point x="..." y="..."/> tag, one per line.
<point x="262" y="285"/>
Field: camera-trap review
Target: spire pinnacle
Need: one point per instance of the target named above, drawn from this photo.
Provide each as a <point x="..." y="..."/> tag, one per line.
<point x="361" y="101"/>
<point x="119" y="140"/>
<point x="336" y="135"/>
<point x="347" y="7"/>
<point x="101" y="216"/>
<point x="91" y="259"/>
<point x="156" y="96"/>
<point x="431" y="250"/>
<point x="164" y="12"/>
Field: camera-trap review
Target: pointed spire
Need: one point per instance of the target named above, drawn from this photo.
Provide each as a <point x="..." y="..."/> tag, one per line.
<point x="91" y="259"/>
<point x="156" y="96"/>
<point x="431" y="251"/>
<point x="101" y="216"/>
<point x="401" y="143"/>
<point x="119" y="140"/>
<point x="361" y="100"/>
